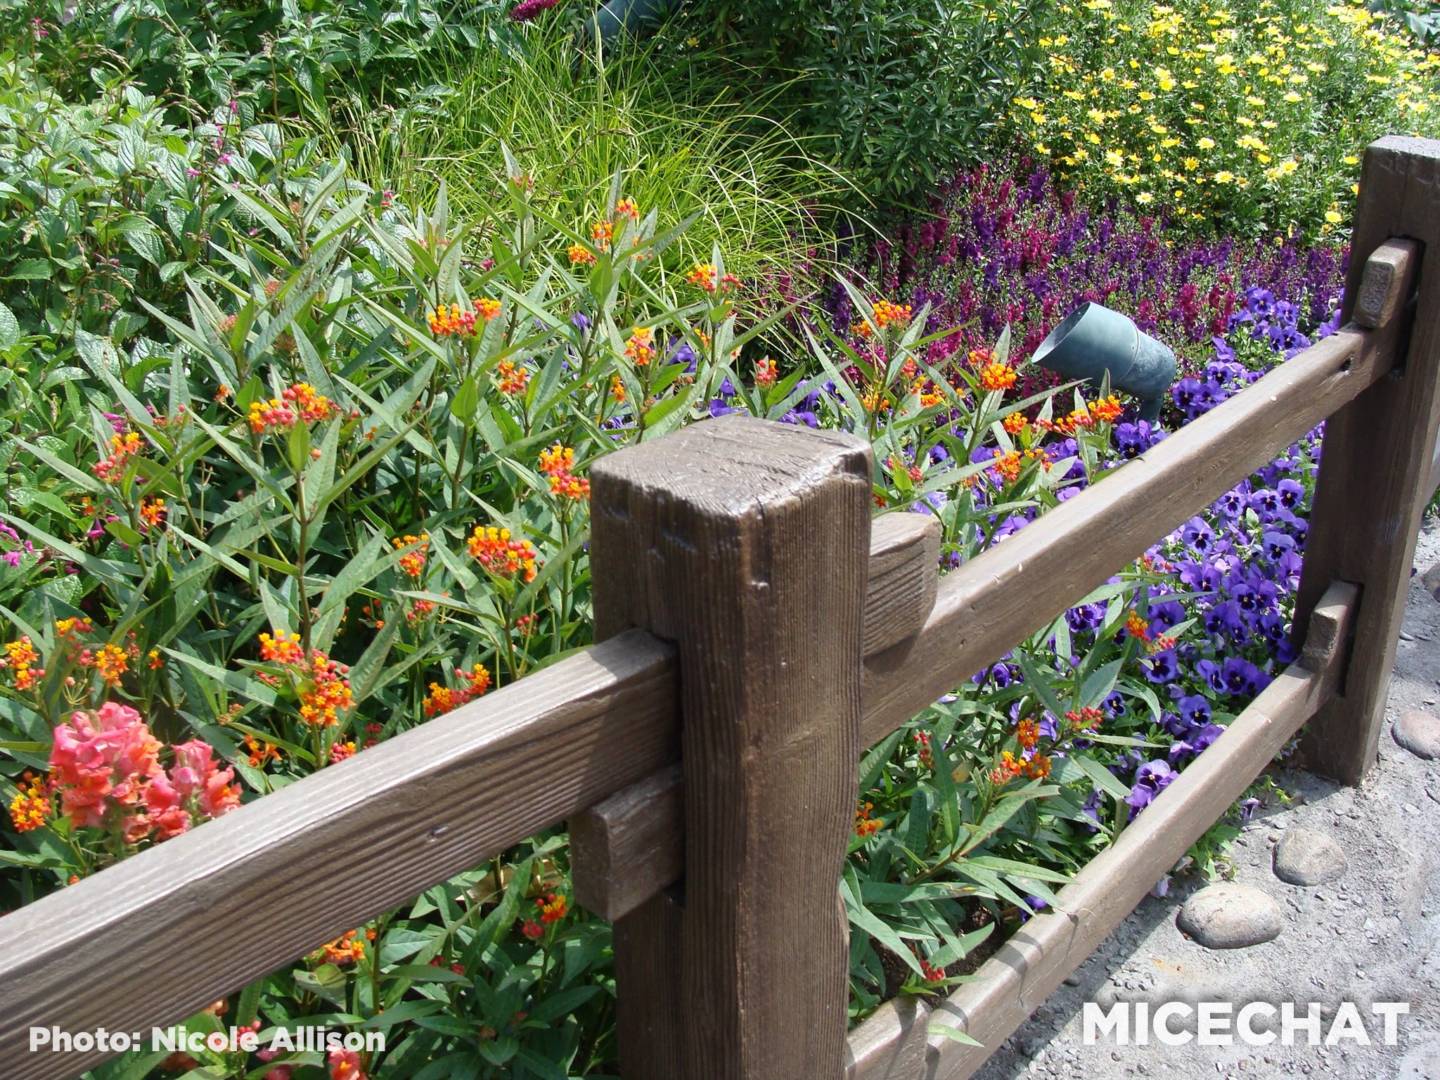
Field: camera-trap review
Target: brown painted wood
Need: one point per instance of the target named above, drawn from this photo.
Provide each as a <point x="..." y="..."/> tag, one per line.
<point x="127" y="947"/>
<point x="1027" y="969"/>
<point x="1374" y="476"/>
<point x="744" y="542"/>
<point x="628" y="848"/>
<point x="995" y="601"/>
<point x="1434" y="484"/>
<point x="890" y="1044"/>
<point x="904" y="573"/>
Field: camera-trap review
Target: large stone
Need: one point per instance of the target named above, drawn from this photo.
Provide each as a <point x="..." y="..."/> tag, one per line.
<point x="1418" y="732"/>
<point x="1431" y="580"/>
<point x="1308" y="857"/>
<point x="1231" y="916"/>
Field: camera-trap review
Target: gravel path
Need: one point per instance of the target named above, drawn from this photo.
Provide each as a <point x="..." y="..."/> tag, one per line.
<point x="1373" y="934"/>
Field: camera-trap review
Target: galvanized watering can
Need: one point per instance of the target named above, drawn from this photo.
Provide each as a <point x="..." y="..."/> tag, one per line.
<point x="616" y="16"/>
<point x="1094" y="340"/>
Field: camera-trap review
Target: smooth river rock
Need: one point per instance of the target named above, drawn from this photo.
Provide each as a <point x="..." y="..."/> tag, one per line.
<point x="1308" y="857"/>
<point x="1231" y="916"/>
<point x="1418" y="732"/>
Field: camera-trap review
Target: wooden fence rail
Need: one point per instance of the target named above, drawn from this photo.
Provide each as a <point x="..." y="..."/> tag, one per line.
<point x="756" y="631"/>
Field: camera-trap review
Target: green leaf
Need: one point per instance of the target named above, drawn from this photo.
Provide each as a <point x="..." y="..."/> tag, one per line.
<point x="9" y="327"/>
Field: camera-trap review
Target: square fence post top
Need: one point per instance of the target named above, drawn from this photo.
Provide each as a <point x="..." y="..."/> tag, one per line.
<point x="732" y="464"/>
<point x="1407" y="146"/>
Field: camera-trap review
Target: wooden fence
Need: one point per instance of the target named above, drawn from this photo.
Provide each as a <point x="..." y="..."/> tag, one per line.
<point x="756" y="632"/>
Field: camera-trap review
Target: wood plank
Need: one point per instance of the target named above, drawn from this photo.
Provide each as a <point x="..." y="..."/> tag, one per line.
<point x="746" y="543"/>
<point x="1027" y="969"/>
<point x="890" y="1044"/>
<point x="323" y="855"/>
<point x="1375" y="472"/>
<point x="903" y="575"/>
<point x="1435" y="473"/>
<point x="991" y="604"/>
<point x="625" y="850"/>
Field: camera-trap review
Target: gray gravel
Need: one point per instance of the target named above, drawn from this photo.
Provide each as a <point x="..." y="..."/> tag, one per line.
<point x="1372" y="934"/>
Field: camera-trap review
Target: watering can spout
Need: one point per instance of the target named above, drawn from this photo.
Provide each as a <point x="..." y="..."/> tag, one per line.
<point x="1094" y="341"/>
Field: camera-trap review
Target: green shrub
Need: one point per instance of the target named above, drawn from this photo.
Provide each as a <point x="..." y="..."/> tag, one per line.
<point x="900" y="94"/>
<point x="266" y="53"/>
<point x="1239" y="116"/>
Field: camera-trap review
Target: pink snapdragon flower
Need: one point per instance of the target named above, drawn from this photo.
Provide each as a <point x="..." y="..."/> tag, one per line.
<point x="106" y="766"/>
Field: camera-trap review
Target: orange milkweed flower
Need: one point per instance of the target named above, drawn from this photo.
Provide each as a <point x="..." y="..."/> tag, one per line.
<point x="641" y="346"/>
<point x="997" y="376"/>
<point x="498" y="552"/>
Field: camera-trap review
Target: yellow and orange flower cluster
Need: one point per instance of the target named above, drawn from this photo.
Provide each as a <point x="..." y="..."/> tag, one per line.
<point x="558" y="464"/>
<point x="886" y="314"/>
<point x="451" y="320"/>
<point x="1106" y="410"/>
<point x="553" y="907"/>
<point x="348" y="948"/>
<point x="511" y="378"/>
<point x="300" y="403"/>
<point x="122" y="449"/>
<point x="259" y="752"/>
<point x="321" y="683"/>
<point x="706" y="276"/>
<point x="580" y="255"/>
<point x="32" y="805"/>
<point x="997" y="376"/>
<point x="282" y="648"/>
<point x="1009" y="466"/>
<point x="501" y="554"/>
<point x="111" y="663"/>
<point x="1010" y="766"/>
<point x="641" y="347"/>
<point x="23" y="663"/>
<point x="473" y="683"/>
<point x="865" y="825"/>
<point x="153" y="513"/>
<point x="326" y="692"/>
<point x="412" y="563"/>
<point x="766" y="372"/>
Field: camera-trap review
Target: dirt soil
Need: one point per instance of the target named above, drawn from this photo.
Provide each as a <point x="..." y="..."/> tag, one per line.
<point x="1371" y="935"/>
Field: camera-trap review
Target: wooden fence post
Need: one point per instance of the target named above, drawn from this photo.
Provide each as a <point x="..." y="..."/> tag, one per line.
<point x="1375" y="462"/>
<point x="745" y="542"/>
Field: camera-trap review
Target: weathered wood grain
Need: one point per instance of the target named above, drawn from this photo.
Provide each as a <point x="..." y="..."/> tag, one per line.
<point x="989" y="605"/>
<point x="625" y="850"/>
<point x="745" y="542"/>
<point x="1434" y="482"/>
<point x="1028" y="968"/>
<point x="891" y="1043"/>
<point x="127" y="947"/>
<point x="1375" y="472"/>
<point x="903" y="574"/>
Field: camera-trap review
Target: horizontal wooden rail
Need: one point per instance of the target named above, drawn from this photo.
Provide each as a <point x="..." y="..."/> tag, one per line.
<point x="626" y="850"/>
<point x="161" y="935"/>
<point x="992" y="603"/>
<point x="302" y="865"/>
<point x="1028" y="967"/>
